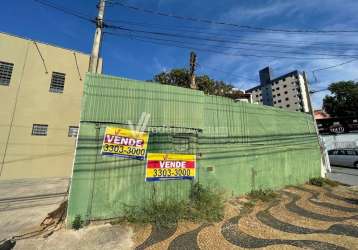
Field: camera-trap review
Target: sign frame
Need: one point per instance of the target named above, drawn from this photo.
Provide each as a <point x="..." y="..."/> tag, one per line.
<point x="170" y="166"/>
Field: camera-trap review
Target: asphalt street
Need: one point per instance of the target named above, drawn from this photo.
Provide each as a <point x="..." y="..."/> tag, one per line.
<point x="344" y="175"/>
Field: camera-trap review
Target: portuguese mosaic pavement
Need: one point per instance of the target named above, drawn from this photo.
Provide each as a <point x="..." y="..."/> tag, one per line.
<point x="306" y="217"/>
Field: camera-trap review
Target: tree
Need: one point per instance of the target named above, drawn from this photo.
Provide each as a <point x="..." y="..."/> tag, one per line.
<point x="343" y="100"/>
<point x="181" y="78"/>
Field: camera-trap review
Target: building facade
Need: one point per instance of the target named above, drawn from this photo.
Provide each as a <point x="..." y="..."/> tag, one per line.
<point x="40" y="94"/>
<point x="288" y="91"/>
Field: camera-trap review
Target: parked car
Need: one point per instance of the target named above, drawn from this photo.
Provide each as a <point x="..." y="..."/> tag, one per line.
<point x="346" y="157"/>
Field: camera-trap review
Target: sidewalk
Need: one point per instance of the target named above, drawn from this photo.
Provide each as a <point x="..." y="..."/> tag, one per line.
<point x="25" y="203"/>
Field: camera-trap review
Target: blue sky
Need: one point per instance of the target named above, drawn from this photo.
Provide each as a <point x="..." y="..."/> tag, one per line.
<point x="128" y="57"/>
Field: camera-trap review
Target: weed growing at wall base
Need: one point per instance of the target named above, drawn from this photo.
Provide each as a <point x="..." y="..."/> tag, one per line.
<point x="319" y="181"/>
<point x="263" y="195"/>
<point x="77" y="222"/>
<point x="205" y="204"/>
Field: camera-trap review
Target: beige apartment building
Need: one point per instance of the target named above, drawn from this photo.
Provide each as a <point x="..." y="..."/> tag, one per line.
<point x="289" y="91"/>
<point x="40" y="97"/>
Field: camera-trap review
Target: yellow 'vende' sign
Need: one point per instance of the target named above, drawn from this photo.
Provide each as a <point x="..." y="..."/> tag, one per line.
<point x="126" y="143"/>
<point x="170" y="167"/>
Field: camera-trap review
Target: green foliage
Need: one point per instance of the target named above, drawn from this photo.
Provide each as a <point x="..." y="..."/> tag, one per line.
<point x="344" y="99"/>
<point x="181" y="78"/>
<point x="205" y="204"/>
<point x="320" y="182"/>
<point x="262" y="194"/>
<point x="77" y="222"/>
<point x="317" y="181"/>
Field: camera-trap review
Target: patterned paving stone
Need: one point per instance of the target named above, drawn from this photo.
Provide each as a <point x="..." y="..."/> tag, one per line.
<point x="330" y="194"/>
<point x="187" y="240"/>
<point x="314" y="199"/>
<point x="293" y="207"/>
<point x="157" y="234"/>
<point x="339" y="229"/>
<point x="232" y="234"/>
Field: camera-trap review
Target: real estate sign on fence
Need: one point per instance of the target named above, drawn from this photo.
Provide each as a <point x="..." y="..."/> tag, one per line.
<point x="170" y="167"/>
<point x="125" y="143"/>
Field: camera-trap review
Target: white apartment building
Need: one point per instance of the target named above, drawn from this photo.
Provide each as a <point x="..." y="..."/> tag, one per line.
<point x="288" y="91"/>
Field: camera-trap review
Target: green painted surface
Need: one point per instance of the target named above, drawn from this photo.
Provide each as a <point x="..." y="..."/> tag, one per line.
<point x="242" y="146"/>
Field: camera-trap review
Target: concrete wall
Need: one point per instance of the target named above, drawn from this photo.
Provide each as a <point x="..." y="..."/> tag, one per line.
<point x="274" y="94"/>
<point x="27" y="101"/>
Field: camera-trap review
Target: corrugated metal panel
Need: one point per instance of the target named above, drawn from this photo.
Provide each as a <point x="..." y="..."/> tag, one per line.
<point x="117" y="100"/>
<point x="243" y="146"/>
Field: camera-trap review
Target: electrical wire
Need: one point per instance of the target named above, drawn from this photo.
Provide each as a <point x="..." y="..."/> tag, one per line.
<point x="226" y="72"/>
<point x="264" y="42"/>
<point x="240" y="48"/>
<point x="170" y="43"/>
<point x="208" y="21"/>
<point x="65" y="10"/>
<point x="335" y="66"/>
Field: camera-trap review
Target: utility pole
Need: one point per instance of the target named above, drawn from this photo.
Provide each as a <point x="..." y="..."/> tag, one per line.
<point x="192" y="70"/>
<point x="93" y="65"/>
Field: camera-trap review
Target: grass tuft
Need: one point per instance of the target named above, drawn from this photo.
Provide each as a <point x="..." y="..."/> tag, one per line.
<point x="77" y="222"/>
<point x="320" y="182"/>
<point x="205" y="204"/>
<point x="262" y="194"/>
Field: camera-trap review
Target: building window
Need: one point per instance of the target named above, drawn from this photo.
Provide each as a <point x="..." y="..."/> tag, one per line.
<point x="280" y="107"/>
<point x="274" y="102"/>
<point x="285" y="86"/>
<point x="273" y="90"/>
<point x="257" y="95"/>
<point x="277" y="88"/>
<point x="284" y="79"/>
<point x="57" y="82"/>
<point x="286" y="98"/>
<point x="260" y="94"/>
<point x="288" y="105"/>
<point x="5" y="72"/>
<point x="39" y="129"/>
<point x="278" y="94"/>
<point x="279" y="101"/>
<point x="274" y="96"/>
<point x="286" y="92"/>
<point x="72" y="131"/>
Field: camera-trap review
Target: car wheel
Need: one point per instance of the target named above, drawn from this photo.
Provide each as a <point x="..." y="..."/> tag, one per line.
<point x="356" y="164"/>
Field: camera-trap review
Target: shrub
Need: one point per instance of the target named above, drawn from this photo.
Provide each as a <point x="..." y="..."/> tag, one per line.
<point x="205" y="204"/>
<point x="319" y="181"/>
<point x="262" y="194"/>
<point x="77" y="222"/>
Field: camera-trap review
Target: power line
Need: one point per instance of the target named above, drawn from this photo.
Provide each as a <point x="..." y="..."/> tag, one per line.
<point x="65" y="10"/>
<point x="208" y="21"/>
<point x="236" y="48"/>
<point x="265" y="42"/>
<point x="316" y="91"/>
<point x="210" y="40"/>
<point x="174" y="44"/>
<point x="226" y="72"/>
<point x="335" y="66"/>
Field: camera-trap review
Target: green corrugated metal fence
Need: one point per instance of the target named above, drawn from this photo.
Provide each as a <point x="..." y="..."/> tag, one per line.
<point x="240" y="146"/>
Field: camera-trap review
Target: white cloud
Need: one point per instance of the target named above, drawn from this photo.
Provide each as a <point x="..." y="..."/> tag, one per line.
<point x="248" y="67"/>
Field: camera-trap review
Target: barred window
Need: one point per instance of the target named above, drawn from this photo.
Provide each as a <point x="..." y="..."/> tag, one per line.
<point x="57" y="82"/>
<point x="5" y="72"/>
<point x="72" y="131"/>
<point x="39" y="129"/>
